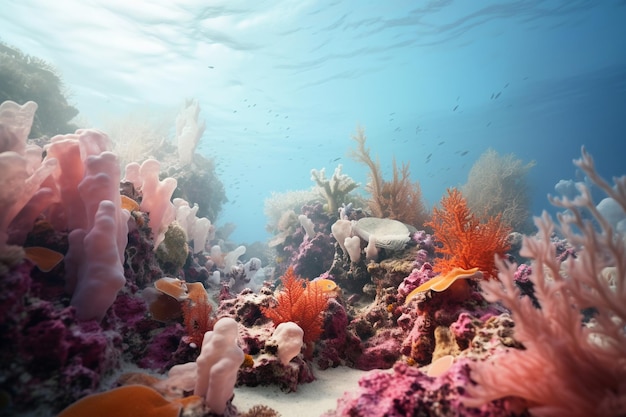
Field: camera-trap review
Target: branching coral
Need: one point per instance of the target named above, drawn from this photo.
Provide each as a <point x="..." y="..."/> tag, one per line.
<point x="335" y="189"/>
<point x="568" y="367"/>
<point x="398" y="199"/>
<point x="301" y="302"/>
<point x="497" y="184"/>
<point x="467" y="242"/>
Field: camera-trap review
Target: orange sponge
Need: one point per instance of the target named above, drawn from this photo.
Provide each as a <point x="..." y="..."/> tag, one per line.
<point x="126" y="401"/>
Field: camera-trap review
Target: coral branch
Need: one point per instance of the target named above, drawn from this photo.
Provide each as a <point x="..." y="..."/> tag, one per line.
<point x="399" y="199"/>
<point x="569" y="366"/>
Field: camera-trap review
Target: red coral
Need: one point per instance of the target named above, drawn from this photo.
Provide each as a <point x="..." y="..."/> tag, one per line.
<point x="197" y="311"/>
<point x="467" y="242"/>
<point x="301" y="303"/>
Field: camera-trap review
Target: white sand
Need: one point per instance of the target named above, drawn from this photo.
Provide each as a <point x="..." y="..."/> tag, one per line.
<point x="310" y="400"/>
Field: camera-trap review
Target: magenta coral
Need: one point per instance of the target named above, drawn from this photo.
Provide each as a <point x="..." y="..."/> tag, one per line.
<point x="568" y="367"/>
<point x="407" y="391"/>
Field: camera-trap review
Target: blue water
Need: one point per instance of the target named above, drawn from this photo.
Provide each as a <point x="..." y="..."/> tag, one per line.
<point x="283" y="84"/>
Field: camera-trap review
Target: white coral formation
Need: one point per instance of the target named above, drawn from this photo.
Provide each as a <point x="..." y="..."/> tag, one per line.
<point x="335" y="189"/>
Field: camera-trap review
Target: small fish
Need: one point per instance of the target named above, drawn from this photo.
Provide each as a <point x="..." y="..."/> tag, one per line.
<point x="325" y="285"/>
<point x="455" y="107"/>
<point x="429" y="155"/>
<point x="506" y="85"/>
<point x="210" y="67"/>
<point x="464" y="153"/>
<point x="173" y="287"/>
<point x="336" y="159"/>
<point x="441" y="143"/>
<point x="498" y="95"/>
<point x="129" y="204"/>
<point x="45" y="259"/>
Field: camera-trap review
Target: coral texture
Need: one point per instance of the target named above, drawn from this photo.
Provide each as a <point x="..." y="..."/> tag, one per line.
<point x="408" y="391"/>
<point x="570" y="366"/>
<point x="467" y="242"/>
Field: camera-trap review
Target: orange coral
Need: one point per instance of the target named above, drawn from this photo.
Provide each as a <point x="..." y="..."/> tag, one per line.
<point x="467" y="242"/>
<point x="197" y="311"/>
<point x="399" y="199"/>
<point x="301" y="302"/>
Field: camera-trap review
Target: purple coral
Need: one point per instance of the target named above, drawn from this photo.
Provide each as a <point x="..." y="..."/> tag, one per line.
<point x="407" y="391"/>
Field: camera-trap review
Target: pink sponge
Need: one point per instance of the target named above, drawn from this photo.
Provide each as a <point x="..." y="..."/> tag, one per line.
<point x="156" y="196"/>
<point x="100" y="274"/>
<point x="94" y="261"/>
<point x="219" y="360"/>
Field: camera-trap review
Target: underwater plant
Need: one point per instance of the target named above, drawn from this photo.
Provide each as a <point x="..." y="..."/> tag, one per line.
<point x="466" y="241"/>
<point x="398" y="199"/>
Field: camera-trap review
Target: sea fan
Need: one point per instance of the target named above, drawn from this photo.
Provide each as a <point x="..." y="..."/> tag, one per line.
<point x="300" y="302"/>
<point x="467" y="242"/>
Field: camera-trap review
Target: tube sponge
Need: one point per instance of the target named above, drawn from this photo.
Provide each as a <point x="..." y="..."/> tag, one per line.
<point x="100" y="274"/>
<point x="288" y="337"/>
<point x="219" y="360"/>
<point x="156" y="199"/>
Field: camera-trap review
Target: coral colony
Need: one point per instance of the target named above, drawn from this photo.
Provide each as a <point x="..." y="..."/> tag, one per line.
<point x="120" y="298"/>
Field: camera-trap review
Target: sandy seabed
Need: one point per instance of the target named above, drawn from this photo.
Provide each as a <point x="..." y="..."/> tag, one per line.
<point x="310" y="400"/>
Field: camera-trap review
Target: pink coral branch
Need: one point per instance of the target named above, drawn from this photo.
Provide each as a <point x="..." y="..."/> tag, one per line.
<point x="568" y="367"/>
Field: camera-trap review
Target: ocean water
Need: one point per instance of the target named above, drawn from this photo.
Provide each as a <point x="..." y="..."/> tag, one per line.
<point x="283" y="84"/>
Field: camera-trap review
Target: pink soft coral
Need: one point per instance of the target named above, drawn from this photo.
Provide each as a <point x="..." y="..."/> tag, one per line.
<point x="567" y="367"/>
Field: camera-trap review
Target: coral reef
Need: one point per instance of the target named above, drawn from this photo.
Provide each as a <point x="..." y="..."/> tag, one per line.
<point x="99" y="276"/>
<point x="576" y="366"/>
<point x="409" y="391"/>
